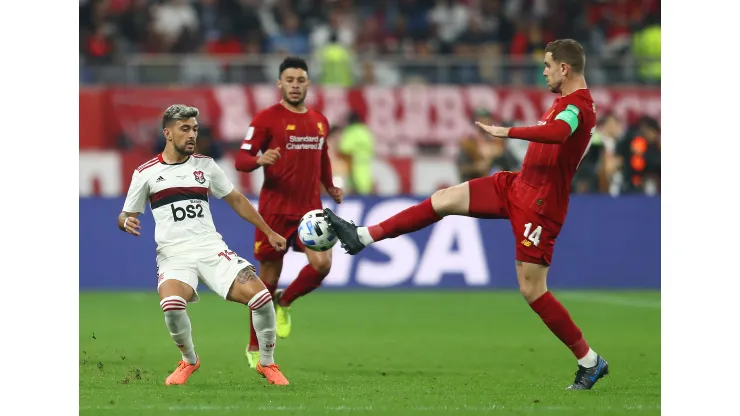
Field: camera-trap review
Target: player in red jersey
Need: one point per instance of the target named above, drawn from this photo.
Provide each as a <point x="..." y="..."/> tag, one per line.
<point x="534" y="200"/>
<point x="295" y="160"/>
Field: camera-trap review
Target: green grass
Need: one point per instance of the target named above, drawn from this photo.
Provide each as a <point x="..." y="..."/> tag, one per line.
<point x="420" y="353"/>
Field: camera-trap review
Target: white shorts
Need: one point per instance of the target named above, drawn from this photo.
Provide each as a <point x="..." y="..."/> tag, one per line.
<point x="216" y="266"/>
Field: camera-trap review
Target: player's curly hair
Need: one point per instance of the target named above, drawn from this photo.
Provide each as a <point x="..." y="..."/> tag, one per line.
<point x="177" y="112"/>
<point x="568" y="51"/>
<point x="293" y="62"/>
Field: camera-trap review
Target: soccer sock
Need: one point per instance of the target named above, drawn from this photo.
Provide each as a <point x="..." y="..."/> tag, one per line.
<point x="308" y="280"/>
<point x="253" y="342"/>
<point x="409" y="220"/>
<point x="263" y="318"/>
<point x="557" y="318"/>
<point x="177" y="321"/>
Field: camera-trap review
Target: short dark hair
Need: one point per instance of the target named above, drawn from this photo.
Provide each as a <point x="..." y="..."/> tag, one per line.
<point x="293" y="62"/>
<point x="178" y="112"/>
<point x="568" y="51"/>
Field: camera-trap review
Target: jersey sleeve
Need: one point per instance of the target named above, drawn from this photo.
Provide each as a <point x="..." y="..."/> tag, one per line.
<point x="138" y="192"/>
<point x="220" y="185"/>
<point x="571" y="115"/>
<point x="258" y="134"/>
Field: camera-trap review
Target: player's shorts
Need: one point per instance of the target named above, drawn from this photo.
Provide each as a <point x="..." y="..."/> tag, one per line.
<point x="215" y="265"/>
<point x="534" y="234"/>
<point x="285" y="225"/>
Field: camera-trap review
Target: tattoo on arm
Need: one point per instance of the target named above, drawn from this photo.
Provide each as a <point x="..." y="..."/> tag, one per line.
<point x="246" y="274"/>
<point x="518" y="263"/>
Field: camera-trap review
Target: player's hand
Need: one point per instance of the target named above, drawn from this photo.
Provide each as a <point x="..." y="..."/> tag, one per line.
<point x="337" y="194"/>
<point x="495" y="131"/>
<point x="269" y="157"/>
<point x="132" y="226"/>
<point x="277" y="241"/>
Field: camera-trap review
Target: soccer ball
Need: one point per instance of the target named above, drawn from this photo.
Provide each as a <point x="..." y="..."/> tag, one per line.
<point x="315" y="232"/>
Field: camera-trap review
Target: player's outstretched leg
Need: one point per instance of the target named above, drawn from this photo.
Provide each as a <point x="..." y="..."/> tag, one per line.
<point x="533" y="286"/>
<point x="454" y="200"/>
<point x="248" y="289"/>
<point x="173" y="294"/>
<point x="308" y="280"/>
<point x="269" y="274"/>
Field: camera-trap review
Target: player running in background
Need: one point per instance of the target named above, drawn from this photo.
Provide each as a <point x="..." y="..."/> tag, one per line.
<point x="176" y="183"/>
<point x="295" y="159"/>
<point x="534" y="200"/>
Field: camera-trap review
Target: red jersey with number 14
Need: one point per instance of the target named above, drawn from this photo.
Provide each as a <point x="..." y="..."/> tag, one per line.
<point x="291" y="185"/>
<point x="544" y="183"/>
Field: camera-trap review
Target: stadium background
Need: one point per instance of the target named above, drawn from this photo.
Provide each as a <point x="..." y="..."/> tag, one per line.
<point x="415" y="73"/>
<point x="427" y="323"/>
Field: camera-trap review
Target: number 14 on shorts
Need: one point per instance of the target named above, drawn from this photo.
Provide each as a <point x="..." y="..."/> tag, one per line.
<point x="531" y="236"/>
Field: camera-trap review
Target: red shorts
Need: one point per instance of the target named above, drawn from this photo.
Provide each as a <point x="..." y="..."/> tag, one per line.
<point x="492" y="197"/>
<point x="285" y="225"/>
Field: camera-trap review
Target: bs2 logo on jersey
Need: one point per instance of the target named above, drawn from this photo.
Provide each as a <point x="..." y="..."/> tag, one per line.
<point x="190" y="211"/>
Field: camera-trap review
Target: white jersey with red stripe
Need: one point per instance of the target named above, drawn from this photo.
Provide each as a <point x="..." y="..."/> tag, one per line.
<point x="178" y="196"/>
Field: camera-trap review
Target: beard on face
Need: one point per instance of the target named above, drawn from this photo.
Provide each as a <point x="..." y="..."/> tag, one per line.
<point x="183" y="151"/>
<point x="295" y="103"/>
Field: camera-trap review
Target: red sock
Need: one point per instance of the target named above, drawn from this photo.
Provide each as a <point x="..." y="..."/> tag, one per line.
<point x="557" y="318"/>
<point x="253" y="343"/>
<point x="308" y="280"/>
<point x="409" y="220"/>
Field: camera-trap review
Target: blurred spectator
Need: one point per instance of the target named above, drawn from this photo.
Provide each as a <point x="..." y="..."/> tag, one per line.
<point x="357" y="149"/>
<point x="449" y="19"/>
<point x="291" y="39"/>
<point x="481" y="155"/>
<point x="640" y="158"/>
<point x="336" y="64"/>
<point x="646" y="47"/>
<point x="341" y="27"/>
<point x="609" y="131"/>
<point x="176" y="21"/>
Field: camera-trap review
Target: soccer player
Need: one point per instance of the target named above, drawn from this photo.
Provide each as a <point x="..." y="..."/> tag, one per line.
<point x="177" y="183"/>
<point x="295" y="161"/>
<point x="534" y="200"/>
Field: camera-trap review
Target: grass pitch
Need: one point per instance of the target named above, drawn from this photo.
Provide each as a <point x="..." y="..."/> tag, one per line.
<point x="403" y="353"/>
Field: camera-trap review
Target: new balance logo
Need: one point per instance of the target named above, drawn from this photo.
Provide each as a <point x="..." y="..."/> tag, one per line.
<point x="160" y="179"/>
<point x="290" y="127"/>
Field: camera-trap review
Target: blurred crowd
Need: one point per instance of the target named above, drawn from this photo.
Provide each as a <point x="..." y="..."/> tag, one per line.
<point x="621" y="159"/>
<point x="392" y="42"/>
<point x="351" y="41"/>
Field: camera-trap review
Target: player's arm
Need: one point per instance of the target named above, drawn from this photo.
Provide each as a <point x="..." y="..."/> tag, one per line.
<point x="222" y="188"/>
<point x="134" y="205"/>
<point x="244" y="208"/>
<point x="557" y="132"/>
<point x="327" y="176"/>
<point x="258" y="134"/>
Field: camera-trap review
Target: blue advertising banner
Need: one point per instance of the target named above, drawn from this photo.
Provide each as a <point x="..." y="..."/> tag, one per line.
<point x="606" y="243"/>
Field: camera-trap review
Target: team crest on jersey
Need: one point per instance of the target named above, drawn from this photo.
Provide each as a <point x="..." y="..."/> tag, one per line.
<point x="321" y="128"/>
<point x="199" y="177"/>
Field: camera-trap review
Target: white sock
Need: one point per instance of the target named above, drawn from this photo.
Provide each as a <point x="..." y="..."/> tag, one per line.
<point x="589" y="360"/>
<point x="263" y="319"/>
<point x="364" y="235"/>
<point x="178" y="322"/>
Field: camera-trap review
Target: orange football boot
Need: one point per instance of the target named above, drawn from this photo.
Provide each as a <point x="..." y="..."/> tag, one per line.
<point x="182" y="373"/>
<point x="272" y="374"/>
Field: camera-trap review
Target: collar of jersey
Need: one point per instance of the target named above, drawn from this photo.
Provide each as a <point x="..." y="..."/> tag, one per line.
<point x="161" y="160"/>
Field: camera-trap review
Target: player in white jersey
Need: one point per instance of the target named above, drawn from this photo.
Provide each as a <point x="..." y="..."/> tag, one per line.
<point x="177" y="184"/>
